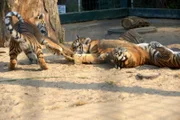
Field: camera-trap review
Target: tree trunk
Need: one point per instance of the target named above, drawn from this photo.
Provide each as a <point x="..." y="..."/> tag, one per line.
<point x="29" y="9"/>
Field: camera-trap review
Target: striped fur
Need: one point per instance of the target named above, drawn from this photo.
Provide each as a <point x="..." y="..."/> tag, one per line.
<point x="102" y="48"/>
<point x="41" y="24"/>
<point x="24" y="38"/>
<point x="16" y="35"/>
<point x="162" y="56"/>
<point x="124" y="54"/>
<point x="37" y="29"/>
<point x="80" y="45"/>
<point x="158" y="55"/>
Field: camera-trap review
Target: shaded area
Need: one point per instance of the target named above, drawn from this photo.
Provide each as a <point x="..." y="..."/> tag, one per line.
<point x="78" y="86"/>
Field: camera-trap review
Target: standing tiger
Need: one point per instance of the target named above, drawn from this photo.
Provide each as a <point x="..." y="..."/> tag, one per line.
<point x="28" y="38"/>
<point x="125" y="54"/>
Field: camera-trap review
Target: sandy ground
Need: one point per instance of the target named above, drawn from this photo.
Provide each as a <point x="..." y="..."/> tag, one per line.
<point x="90" y="92"/>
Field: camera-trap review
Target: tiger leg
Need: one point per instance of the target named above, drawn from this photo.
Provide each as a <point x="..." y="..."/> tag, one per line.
<point x="14" y="51"/>
<point x="164" y="53"/>
<point x="31" y="56"/>
<point x="13" y="61"/>
<point x="40" y="57"/>
<point x="87" y="59"/>
<point x="50" y="45"/>
<point x="165" y="56"/>
<point x="57" y="49"/>
<point x="155" y="44"/>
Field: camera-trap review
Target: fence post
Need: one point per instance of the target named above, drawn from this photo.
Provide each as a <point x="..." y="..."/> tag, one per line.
<point x="79" y="5"/>
<point x="124" y="3"/>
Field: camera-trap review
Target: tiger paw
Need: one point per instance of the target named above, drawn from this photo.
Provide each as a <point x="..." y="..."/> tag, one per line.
<point x="43" y="64"/>
<point x="12" y="65"/>
<point x="103" y="56"/>
<point x="31" y="61"/>
<point x="32" y="58"/>
<point x="155" y="44"/>
<point x="78" y="59"/>
<point x="44" y="67"/>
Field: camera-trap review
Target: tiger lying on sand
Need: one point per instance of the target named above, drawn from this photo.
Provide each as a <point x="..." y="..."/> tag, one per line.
<point x="124" y="54"/>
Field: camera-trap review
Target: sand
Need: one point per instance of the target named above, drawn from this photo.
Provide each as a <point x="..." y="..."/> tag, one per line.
<point x="89" y="92"/>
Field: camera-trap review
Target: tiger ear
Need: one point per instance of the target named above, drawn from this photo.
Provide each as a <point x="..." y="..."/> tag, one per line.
<point x="77" y="37"/>
<point x="87" y="41"/>
<point x="41" y="16"/>
<point x="116" y="49"/>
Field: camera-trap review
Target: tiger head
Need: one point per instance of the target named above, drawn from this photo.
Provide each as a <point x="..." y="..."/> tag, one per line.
<point x="41" y="24"/>
<point x="119" y="57"/>
<point x="81" y="45"/>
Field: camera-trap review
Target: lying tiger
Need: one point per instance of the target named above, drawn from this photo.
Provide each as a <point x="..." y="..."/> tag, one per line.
<point x="28" y="37"/>
<point x="124" y="54"/>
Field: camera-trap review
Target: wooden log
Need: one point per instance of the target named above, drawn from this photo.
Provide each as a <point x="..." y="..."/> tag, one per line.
<point x="134" y="22"/>
<point x="132" y="36"/>
<point x="144" y="30"/>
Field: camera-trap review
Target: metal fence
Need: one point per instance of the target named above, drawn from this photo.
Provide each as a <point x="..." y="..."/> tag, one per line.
<point x="172" y="4"/>
<point x="66" y="6"/>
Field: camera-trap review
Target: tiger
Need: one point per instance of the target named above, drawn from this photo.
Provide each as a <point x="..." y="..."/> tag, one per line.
<point x="84" y="45"/>
<point x="52" y="45"/>
<point x="153" y="53"/>
<point x="28" y="38"/>
<point x="96" y="50"/>
<point x="160" y="55"/>
<point x="124" y="54"/>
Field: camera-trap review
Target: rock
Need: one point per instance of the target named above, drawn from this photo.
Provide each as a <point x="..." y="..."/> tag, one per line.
<point x="141" y="76"/>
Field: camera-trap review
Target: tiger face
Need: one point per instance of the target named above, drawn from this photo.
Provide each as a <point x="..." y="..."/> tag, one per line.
<point x="81" y="45"/>
<point x="127" y="56"/>
<point x="41" y="24"/>
<point x="119" y="57"/>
